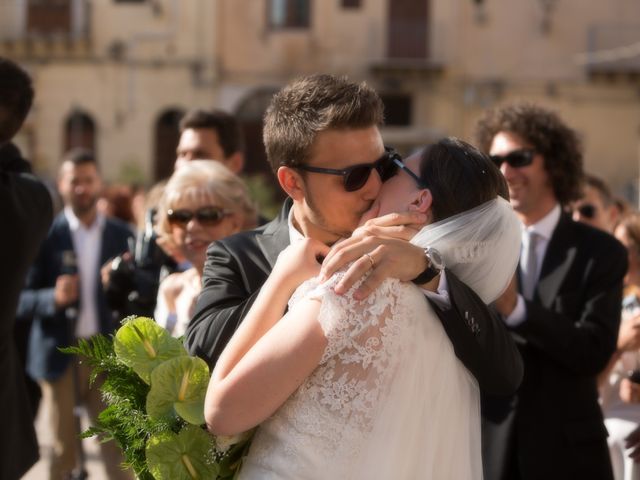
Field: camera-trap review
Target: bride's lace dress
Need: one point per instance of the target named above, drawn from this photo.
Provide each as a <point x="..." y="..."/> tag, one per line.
<point x="389" y="399"/>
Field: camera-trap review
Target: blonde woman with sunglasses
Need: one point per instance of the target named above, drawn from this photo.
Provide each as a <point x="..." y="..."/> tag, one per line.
<point x="202" y="202"/>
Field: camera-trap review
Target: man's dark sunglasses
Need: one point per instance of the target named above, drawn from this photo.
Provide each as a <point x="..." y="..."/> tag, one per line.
<point x="516" y="159"/>
<point x="587" y="210"/>
<point x="207" y="216"/>
<point x="356" y="176"/>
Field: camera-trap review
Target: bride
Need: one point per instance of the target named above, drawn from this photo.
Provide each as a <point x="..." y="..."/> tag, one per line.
<point x="371" y="389"/>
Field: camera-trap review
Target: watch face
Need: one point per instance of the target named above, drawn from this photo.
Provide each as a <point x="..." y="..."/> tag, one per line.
<point x="435" y="258"/>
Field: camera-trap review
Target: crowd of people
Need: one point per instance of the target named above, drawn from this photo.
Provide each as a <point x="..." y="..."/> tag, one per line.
<point x="483" y="303"/>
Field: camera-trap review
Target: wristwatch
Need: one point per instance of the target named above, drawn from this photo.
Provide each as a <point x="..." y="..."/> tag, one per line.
<point x="435" y="266"/>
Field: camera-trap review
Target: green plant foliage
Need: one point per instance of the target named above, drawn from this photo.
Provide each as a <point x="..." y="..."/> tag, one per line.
<point x="146" y="377"/>
<point x="143" y="345"/>
<point x="179" y="386"/>
<point x="264" y="190"/>
<point x="124" y="420"/>
<point x="184" y="456"/>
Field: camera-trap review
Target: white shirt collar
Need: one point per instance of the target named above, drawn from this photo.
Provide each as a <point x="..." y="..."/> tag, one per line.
<point x="545" y="226"/>
<point x="294" y="234"/>
<point x="75" y="223"/>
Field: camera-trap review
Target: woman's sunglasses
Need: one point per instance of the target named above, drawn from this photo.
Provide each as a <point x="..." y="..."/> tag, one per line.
<point x="356" y="176"/>
<point x="516" y="159"/>
<point x="207" y="216"/>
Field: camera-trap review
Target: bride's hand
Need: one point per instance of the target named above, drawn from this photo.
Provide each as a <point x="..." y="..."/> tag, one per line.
<point x="299" y="262"/>
<point x="380" y="245"/>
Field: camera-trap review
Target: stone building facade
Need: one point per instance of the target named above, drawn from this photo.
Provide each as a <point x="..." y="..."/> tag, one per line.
<point x="128" y="68"/>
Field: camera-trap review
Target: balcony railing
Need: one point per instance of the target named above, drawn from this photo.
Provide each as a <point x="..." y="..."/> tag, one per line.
<point x="53" y="29"/>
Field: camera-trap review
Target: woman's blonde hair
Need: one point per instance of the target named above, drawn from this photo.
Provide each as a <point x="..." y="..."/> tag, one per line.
<point x="206" y="180"/>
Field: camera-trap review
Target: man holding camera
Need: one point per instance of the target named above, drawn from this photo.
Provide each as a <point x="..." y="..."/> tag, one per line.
<point x="64" y="296"/>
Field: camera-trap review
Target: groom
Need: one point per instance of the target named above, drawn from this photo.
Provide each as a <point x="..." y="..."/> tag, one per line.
<point x="322" y="139"/>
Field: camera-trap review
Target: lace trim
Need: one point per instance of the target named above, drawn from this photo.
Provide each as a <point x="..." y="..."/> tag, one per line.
<point x="336" y="405"/>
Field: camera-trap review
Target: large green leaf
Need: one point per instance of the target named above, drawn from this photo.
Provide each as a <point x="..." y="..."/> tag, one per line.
<point x="185" y="456"/>
<point x="142" y="344"/>
<point x="179" y="385"/>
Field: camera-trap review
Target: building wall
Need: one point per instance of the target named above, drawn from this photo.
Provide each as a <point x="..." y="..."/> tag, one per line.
<point x="143" y="58"/>
<point x="135" y="62"/>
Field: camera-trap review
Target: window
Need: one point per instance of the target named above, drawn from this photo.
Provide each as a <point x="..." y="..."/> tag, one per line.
<point x="289" y="13"/>
<point x="398" y="109"/>
<point x="79" y="131"/>
<point x="351" y="3"/>
<point x="52" y="16"/>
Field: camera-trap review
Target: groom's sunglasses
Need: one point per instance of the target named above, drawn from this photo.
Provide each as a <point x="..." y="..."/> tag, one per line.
<point x="516" y="159"/>
<point x="356" y="176"/>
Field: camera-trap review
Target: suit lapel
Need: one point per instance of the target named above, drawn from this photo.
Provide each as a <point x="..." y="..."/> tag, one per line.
<point x="276" y="235"/>
<point x="558" y="259"/>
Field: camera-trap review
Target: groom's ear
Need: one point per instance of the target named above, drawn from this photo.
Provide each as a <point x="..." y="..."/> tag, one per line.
<point x="291" y="182"/>
<point x="423" y="201"/>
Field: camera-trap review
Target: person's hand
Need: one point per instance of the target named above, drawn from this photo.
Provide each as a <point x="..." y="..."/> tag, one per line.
<point x="629" y="391"/>
<point x="506" y="303"/>
<point x="632" y="442"/>
<point x="629" y="334"/>
<point x="299" y="262"/>
<point x="66" y="290"/>
<point x="105" y="270"/>
<point x="380" y="245"/>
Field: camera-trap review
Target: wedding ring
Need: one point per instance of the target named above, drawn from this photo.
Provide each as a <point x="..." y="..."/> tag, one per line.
<point x="373" y="264"/>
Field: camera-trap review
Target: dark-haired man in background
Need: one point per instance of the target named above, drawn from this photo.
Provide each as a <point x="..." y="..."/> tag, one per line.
<point x="210" y="135"/>
<point x="596" y="206"/>
<point x="563" y="308"/>
<point x="64" y="295"/>
<point x="26" y="207"/>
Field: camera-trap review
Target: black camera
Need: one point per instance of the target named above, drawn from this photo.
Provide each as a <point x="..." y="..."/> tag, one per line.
<point x="634" y="376"/>
<point x="135" y="276"/>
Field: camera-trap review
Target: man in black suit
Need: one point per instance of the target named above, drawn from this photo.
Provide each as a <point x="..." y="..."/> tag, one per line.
<point x="322" y="140"/>
<point x="563" y="308"/>
<point x="27" y="211"/>
<point x="64" y="295"/>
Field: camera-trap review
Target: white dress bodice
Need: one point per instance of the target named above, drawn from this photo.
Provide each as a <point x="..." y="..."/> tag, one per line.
<point x="387" y="365"/>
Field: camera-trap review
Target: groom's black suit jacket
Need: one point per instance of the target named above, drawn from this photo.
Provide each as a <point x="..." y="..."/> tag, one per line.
<point x="553" y="428"/>
<point x="237" y="266"/>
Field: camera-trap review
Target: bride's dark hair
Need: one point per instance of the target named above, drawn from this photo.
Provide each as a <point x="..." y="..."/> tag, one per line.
<point x="459" y="176"/>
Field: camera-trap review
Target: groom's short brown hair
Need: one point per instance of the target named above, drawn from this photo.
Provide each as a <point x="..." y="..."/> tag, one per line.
<point x="310" y="105"/>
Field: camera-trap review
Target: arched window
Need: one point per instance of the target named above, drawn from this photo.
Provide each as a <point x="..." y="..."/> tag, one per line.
<point x="167" y="136"/>
<point x="80" y="131"/>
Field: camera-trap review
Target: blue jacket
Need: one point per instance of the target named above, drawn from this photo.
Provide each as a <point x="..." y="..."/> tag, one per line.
<point x="51" y="328"/>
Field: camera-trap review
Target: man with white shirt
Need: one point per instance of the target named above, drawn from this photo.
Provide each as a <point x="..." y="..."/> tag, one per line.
<point x="64" y="295"/>
<point x="563" y="307"/>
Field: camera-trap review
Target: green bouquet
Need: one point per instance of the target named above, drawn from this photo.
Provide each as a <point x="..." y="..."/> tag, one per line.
<point x="155" y="393"/>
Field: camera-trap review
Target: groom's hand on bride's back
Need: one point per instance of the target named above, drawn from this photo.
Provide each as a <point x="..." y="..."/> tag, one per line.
<point x="381" y="246"/>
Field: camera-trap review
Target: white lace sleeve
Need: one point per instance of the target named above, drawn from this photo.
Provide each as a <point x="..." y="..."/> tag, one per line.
<point x="388" y="374"/>
<point x="347" y="322"/>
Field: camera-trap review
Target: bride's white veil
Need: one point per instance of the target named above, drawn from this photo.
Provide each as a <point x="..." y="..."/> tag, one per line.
<point x="429" y="425"/>
<point x="481" y="246"/>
